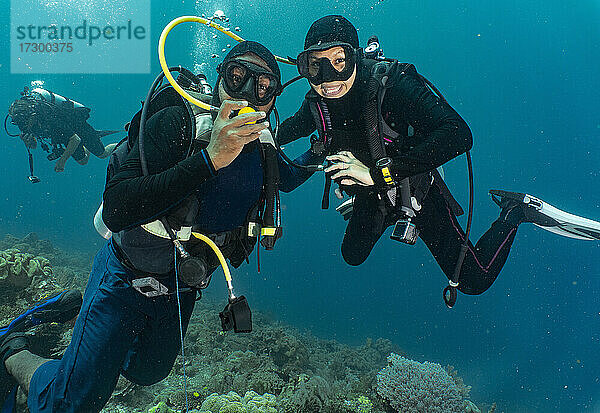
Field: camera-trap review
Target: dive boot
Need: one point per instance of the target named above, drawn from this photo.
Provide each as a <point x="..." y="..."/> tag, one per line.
<point x="519" y="207"/>
<point x="10" y="344"/>
<point x="59" y="308"/>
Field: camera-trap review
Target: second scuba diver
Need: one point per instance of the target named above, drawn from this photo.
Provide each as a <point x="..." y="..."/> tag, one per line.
<point x="380" y="122"/>
<point x="210" y="173"/>
<point x="60" y="125"/>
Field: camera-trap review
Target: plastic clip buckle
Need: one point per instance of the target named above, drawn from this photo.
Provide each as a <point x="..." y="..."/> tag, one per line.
<point x="149" y="287"/>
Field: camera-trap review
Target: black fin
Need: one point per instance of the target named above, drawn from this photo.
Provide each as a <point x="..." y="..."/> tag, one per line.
<point x="103" y="133"/>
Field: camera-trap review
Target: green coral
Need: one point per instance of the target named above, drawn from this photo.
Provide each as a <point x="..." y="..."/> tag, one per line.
<point x="17" y="269"/>
<point x="232" y="402"/>
<point x="360" y="405"/>
<point x="161" y="408"/>
<point x="244" y="371"/>
<point x="307" y="395"/>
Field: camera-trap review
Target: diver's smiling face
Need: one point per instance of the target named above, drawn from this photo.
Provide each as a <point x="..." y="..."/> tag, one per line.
<point x="337" y="57"/>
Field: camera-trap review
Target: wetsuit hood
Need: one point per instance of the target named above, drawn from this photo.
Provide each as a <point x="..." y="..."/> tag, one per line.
<point x="258" y="49"/>
<point x="330" y="31"/>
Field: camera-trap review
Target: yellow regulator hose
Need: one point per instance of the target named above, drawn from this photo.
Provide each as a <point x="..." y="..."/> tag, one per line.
<point x="163" y="61"/>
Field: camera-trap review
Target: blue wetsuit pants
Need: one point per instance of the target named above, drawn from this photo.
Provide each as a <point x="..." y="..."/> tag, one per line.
<point x="118" y="331"/>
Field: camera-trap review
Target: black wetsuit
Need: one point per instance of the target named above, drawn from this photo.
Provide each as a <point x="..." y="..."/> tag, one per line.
<point x="59" y="124"/>
<point x="440" y="134"/>
<point x="225" y="198"/>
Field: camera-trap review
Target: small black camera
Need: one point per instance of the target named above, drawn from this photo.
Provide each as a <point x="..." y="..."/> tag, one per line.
<point x="237" y="316"/>
<point x="405" y="231"/>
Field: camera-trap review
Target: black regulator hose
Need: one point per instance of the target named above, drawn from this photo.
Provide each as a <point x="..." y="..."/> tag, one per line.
<point x="141" y="132"/>
<point x="6" y="128"/>
<point x="289" y="82"/>
<point x="32" y="178"/>
<point x="271" y="185"/>
<point x="450" y="292"/>
<point x="310" y="168"/>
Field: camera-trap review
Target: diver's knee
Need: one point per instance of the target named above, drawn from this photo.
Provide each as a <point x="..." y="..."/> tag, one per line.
<point x="146" y="377"/>
<point x="353" y="258"/>
<point x="475" y="287"/>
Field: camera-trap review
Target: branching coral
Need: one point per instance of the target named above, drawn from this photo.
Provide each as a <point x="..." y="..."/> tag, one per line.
<point x="413" y="387"/>
<point x="362" y="404"/>
<point x="232" y="402"/>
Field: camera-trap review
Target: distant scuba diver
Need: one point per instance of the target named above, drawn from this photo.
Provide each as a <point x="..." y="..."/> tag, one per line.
<point x="385" y="129"/>
<point x="59" y="124"/>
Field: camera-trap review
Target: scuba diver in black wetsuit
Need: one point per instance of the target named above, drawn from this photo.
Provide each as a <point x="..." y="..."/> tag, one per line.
<point x="60" y="125"/>
<point x="181" y="177"/>
<point x="380" y="122"/>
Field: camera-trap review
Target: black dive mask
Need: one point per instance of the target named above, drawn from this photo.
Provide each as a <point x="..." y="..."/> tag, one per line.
<point x="322" y="70"/>
<point x="246" y="80"/>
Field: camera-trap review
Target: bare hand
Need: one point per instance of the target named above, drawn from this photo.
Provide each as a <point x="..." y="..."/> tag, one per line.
<point x="229" y="136"/>
<point x="348" y="170"/>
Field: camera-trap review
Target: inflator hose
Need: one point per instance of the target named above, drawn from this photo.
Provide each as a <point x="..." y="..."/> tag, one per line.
<point x="371" y="112"/>
<point x="219" y="255"/>
<point x="271" y="186"/>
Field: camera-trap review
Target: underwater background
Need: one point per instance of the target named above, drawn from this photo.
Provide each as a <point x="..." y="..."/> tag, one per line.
<point x="524" y="75"/>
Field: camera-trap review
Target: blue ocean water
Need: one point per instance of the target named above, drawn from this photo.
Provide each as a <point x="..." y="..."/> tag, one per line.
<point x="523" y="75"/>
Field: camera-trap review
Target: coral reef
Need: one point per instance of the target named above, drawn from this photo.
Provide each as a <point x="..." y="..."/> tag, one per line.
<point x="75" y="264"/>
<point x="293" y="371"/>
<point x="414" y="387"/>
<point x="362" y="404"/>
<point x="30" y="243"/>
<point x="18" y="269"/>
<point x="310" y="395"/>
<point x="462" y="387"/>
<point x="326" y="377"/>
<point x="28" y="274"/>
<point x="161" y="407"/>
<point x="31" y="269"/>
<point x="232" y="402"/>
<point x="470" y="407"/>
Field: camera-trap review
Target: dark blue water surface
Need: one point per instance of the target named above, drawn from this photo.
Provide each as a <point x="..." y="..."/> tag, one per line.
<point x="525" y="77"/>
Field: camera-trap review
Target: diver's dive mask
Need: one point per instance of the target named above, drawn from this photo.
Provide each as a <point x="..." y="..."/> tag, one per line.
<point x="249" y="81"/>
<point x="319" y="70"/>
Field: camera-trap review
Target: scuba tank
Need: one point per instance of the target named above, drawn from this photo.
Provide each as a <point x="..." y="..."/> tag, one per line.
<point x="61" y="105"/>
<point x="54" y="98"/>
<point x="99" y="224"/>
